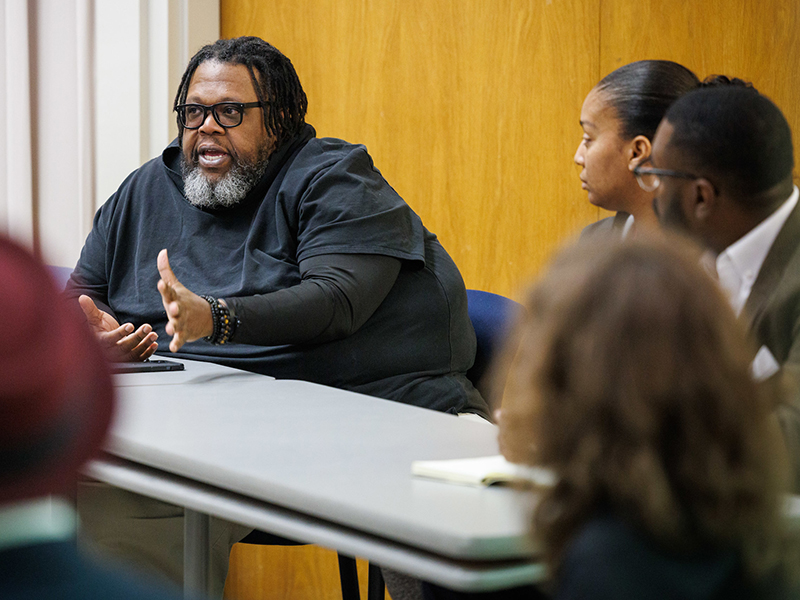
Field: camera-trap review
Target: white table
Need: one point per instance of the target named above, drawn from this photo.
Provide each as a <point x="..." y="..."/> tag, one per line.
<point x="317" y="465"/>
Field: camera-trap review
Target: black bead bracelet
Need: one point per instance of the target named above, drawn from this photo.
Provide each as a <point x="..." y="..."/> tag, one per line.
<point x="224" y="324"/>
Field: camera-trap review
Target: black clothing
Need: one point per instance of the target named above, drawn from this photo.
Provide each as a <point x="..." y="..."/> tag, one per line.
<point x="318" y="197"/>
<point x="610" y="560"/>
<point x="348" y="288"/>
<point x="55" y="571"/>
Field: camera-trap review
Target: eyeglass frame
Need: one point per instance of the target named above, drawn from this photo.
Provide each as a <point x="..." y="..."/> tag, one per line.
<point x="180" y="108"/>
<point x="640" y="171"/>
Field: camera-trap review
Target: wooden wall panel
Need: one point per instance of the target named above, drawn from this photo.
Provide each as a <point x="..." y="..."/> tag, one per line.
<point x="470" y="109"/>
<point x="756" y="40"/>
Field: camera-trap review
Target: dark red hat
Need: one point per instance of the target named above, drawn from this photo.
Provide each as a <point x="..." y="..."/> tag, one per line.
<point x="56" y="394"/>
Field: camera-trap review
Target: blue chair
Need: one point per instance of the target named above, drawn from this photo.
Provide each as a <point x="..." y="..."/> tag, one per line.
<point x="60" y="275"/>
<point x="491" y="316"/>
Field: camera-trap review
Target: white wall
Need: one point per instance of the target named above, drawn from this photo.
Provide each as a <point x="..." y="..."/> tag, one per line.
<point x="86" y="89"/>
<point x="58" y="131"/>
<point x="143" y="48"/>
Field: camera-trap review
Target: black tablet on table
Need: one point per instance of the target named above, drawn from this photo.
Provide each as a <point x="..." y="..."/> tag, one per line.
<point x="146" y="366"/>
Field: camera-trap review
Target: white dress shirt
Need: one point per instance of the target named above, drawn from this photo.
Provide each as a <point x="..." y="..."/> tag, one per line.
<point x="626" y="228"/>
<point x="739" y="264"/>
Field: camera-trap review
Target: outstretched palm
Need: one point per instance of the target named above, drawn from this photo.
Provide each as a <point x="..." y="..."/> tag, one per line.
<point x="189" y="315"/>
<point x="121" y="342"/>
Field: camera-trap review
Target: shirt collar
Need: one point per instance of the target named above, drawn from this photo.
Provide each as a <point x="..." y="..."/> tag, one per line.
<point x="626" y="228"/>
<point x="36" y="521"/>
<point x="738" y="265"/>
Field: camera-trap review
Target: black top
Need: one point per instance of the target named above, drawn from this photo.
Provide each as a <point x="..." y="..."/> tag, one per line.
<point x="318" y="197"/>
<point x="609" y="559"/>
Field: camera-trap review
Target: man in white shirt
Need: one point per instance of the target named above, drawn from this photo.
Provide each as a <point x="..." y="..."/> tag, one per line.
<point x="722" y="165"/>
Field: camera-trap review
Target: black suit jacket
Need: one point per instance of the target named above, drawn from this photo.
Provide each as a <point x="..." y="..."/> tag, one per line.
<point x="773" y="316"/>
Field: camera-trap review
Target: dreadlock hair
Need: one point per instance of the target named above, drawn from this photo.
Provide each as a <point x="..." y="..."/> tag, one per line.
<point x="277" y="85"/>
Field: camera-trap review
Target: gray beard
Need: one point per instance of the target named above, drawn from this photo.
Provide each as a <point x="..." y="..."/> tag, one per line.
<point x="229" y="190"/>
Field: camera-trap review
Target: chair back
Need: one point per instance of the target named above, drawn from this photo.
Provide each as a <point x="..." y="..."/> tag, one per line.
<point x="491" y="315"/>
<point x="60" y="275"/>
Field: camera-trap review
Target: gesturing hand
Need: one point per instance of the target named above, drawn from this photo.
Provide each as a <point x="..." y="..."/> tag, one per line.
<point x="121" y="343"/>
<point x="189" y="316"/>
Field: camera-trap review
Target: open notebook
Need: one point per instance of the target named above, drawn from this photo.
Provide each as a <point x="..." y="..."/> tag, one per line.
<point x="485" y="470"/>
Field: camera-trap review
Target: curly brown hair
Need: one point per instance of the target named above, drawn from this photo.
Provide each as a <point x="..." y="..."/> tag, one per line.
<point x="628" y="375"/>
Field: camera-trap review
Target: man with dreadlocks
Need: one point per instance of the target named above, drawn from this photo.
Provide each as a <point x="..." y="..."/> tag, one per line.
<point x="321" y="271"/>
<point x="252" y="243"/>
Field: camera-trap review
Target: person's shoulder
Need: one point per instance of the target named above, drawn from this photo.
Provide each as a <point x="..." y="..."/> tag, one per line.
<point x="330" y="149"/>
<point x="603" y="537"/>
<point x="593" y="564"/>
<point x="610" y="558"/>
<point x="336" y="145"/>
<point x="322" y="153"/>
<point x="606" y="227"/>
<point x="774" y="303"/>
<point x="323" y="163"/>
<point x="788" y="240"/>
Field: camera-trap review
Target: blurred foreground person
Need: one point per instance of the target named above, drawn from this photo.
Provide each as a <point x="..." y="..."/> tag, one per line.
<point x="630" y="379"/>
<point x="55" y="407"/>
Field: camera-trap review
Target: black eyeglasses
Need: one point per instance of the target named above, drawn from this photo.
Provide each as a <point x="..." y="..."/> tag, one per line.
<point x="226" y="114"/>
<point x="649" y="178"/>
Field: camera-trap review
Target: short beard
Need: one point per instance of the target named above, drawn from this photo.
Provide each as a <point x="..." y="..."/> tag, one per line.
<point x="230" y="189"/>
<point x="673" y="217"/>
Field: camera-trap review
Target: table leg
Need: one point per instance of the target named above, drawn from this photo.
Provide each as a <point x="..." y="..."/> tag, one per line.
<point x="195" y="553"/>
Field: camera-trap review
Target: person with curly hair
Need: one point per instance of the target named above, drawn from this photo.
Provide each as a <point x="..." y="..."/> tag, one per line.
<point x="629" y="376"/>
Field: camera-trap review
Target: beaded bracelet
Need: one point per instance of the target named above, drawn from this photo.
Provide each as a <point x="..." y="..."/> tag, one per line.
<point x="224" y="324"/>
